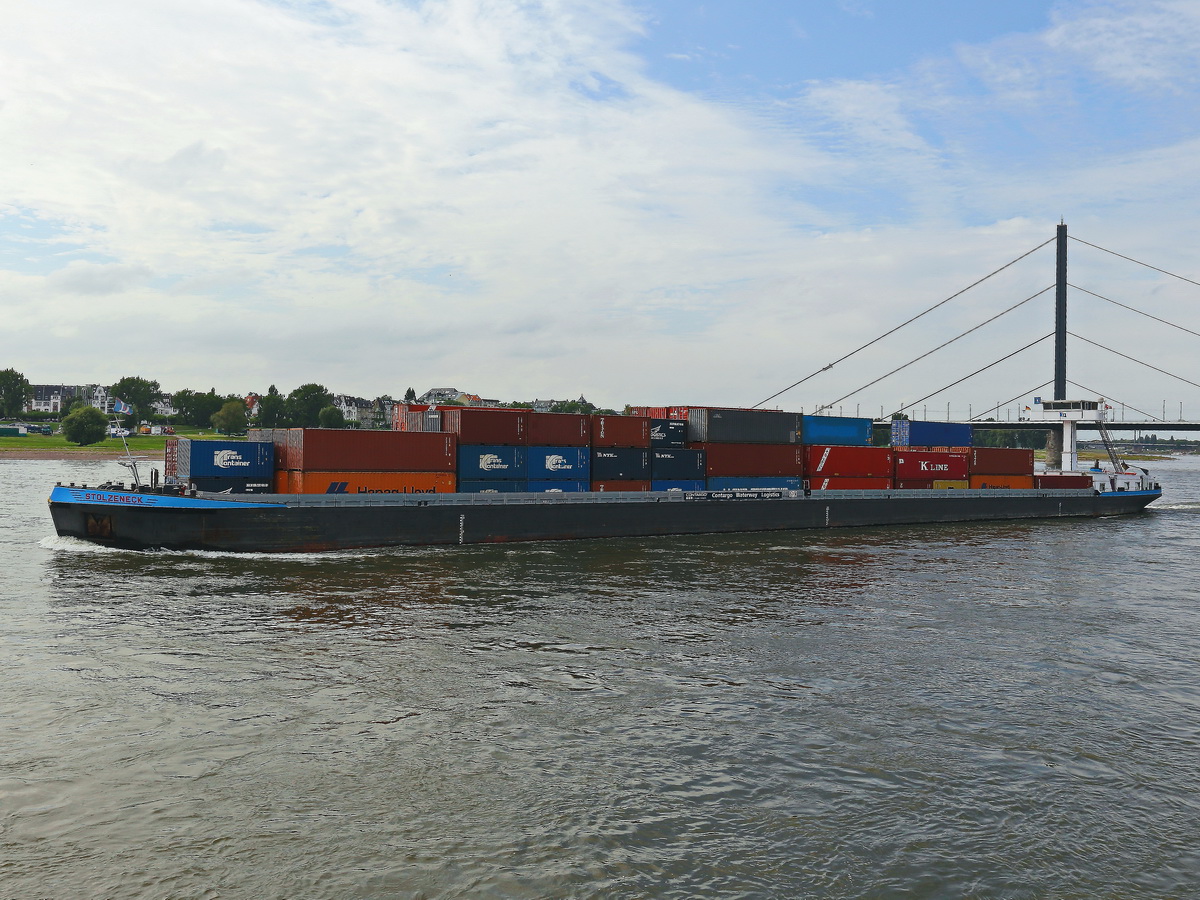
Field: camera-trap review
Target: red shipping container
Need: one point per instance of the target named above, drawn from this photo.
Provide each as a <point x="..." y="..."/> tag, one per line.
<point x="848" y="462"/>
<point x="849" y="484"/>
<point x="983" y="482"/>
<point x="649" y="412"/>
<point x="399" y="411"/>
<point x="678" y="412"/>
<point x="736" y="460"/>
<point x="1001" y="461"/>
<point x="348" y="450"/>
<point x="621" y="431"/>
<point x="918" y="485"/>
<point x="559" y="430"/>
<point x="620" y="485"/>
<point x="1063" y="480"/>
<point x="919" y="465"/>
<point x="487" y="425"/>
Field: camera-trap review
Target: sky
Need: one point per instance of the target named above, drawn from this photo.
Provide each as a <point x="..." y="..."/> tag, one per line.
<point x="637" y="201"/>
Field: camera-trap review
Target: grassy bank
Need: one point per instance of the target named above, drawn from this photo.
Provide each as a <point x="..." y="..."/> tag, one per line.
<point x="139" y="444"/>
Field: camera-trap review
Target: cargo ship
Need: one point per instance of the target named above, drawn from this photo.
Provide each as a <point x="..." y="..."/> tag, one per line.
<point x="467" y="475"/>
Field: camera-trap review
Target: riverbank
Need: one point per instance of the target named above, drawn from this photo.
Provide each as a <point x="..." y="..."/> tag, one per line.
<point x="81" y="454"/>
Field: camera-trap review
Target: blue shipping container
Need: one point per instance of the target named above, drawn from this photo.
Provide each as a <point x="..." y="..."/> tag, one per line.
<point x="554" y="487"/>
<point x="225" y="459"/>
<point x="844" y="431"/>
<point x="676" y="465"/>
<point x="620" y="464"/>
<point x="488" y="461"/>
<point x="930" y="434"/>
<point x="491" y="486"/>
<point x="695" y="484"/>
<point x="751" y="483"/>
<point x="667" y="433"/>
<point x="567" y="463"/>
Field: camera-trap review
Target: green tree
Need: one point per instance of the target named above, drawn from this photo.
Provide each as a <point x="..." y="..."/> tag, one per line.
<point x="305" y="403"/>
<point x="272" y="409"/>
<point x="198" y="409"/>
<point x="85" y="425"/>
<point x="14" y="393"/>
<point x="230" y="418"/>
<point x="410" y="396"/>
<point x="331" y="417"/>
<point x="139" y="393"/>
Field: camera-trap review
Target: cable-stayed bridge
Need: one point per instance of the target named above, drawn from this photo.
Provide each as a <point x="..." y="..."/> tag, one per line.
<point x="1120" y="416"/>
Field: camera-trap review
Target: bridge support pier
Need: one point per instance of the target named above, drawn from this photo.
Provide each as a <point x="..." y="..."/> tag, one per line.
<point x="1054" y="448"/>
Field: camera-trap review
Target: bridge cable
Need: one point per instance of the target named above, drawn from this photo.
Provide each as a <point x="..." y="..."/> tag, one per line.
<point x="902" y="324"/>
<point x="973" y="374"/>
<point x="819" y="409"/>
<point x="1133" y="359"/>
<point x="1010" y="400"/>
<point x="1115" y="400"/>
<point x="1138" y="261"/>
<point x="1132" y="309"/>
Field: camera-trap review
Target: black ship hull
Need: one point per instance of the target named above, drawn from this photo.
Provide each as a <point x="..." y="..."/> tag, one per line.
<point x="305" y="523"/>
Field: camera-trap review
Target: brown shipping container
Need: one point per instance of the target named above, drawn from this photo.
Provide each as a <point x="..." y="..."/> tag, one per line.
<point x="347" y="450"/>
<point x="620" y="485"/>
<point x="921" y="465"/>
<point x="486" y="425"/>
<point x="1001" y="461"/>
<point x="621" y="431"/>
<point x="372" y="482"/>
<point x="559" y="429"/>
<point x="728" y="460"/>
<point x="848" y="462"/>
<point x="849" y="484"/>
<point x="1024" y="482"/>
<point x="920" y="484"/>
<point x="951" y="485"/>
<point x="1057" y="480"/>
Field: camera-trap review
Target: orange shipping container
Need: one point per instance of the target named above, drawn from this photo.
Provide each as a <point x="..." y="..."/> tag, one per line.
<point x="372" y="483"/>
<point x="951" y="484"/>
<point x="281" y="482"/>
<point x="1019" y="482"/>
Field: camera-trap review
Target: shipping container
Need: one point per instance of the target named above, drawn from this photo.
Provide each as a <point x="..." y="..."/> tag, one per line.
<point x="838" y="430"/>
<point x="676" y="465"/>
<point x="487" y="461"/>
<point x="849" y="484"/>
<point x="224" y="459"/>
<point x="928" y="464"/>
<point x="848" y="462"/>
<point x="371" y="482"/>
<point x="620" y="464"/>
<point x="171" y="458"/>
<point x="1021" y="482"/>
<point x="558" y="463"/>
<point x="755" y="483"/>
<point x="349" y="450"/>
<point x="492" y="486"/>
<point x="694" y="484"/>
<point x="609" y="486"/>
<point x="278" y="437"/>
<point x="950" y="485"/>
<point x="679" y="412"/>
<point x="1063" y="480"/>
<point x="667" y="434"/>
<point x="620" y="431"/>
<point x="400" y="413"/>
<point x="744" y="426"/>
<point x="1001" y="461"/>
<point x="913" y="484"/>
<point x="907" y="433"/>
<point x="485" y="425"/>
<point x="752" y="459"/>
<point x="559" y="429"/>
<point x="647" y="412"/>
<point x="222" y="485"/>
<point x="557" y="487"/>
<point x="281" y="481"/>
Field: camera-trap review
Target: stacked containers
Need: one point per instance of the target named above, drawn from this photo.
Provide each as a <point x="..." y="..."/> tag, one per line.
<point x="348" y="461"/>
<point x="748" y="449"/>
<point x="1002" y="467"/>
<point x="238" y="467"/>
<point x="851" y="468"/>
<point x="620" y="457"/>
<point x="906" y="433"/>
<point x="559" y="458"/>
<point x="491" y="447"/>
<point x="919" y="469"/>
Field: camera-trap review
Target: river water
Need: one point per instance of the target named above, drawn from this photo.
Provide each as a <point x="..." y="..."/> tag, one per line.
<point x="1007" y="710"/>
